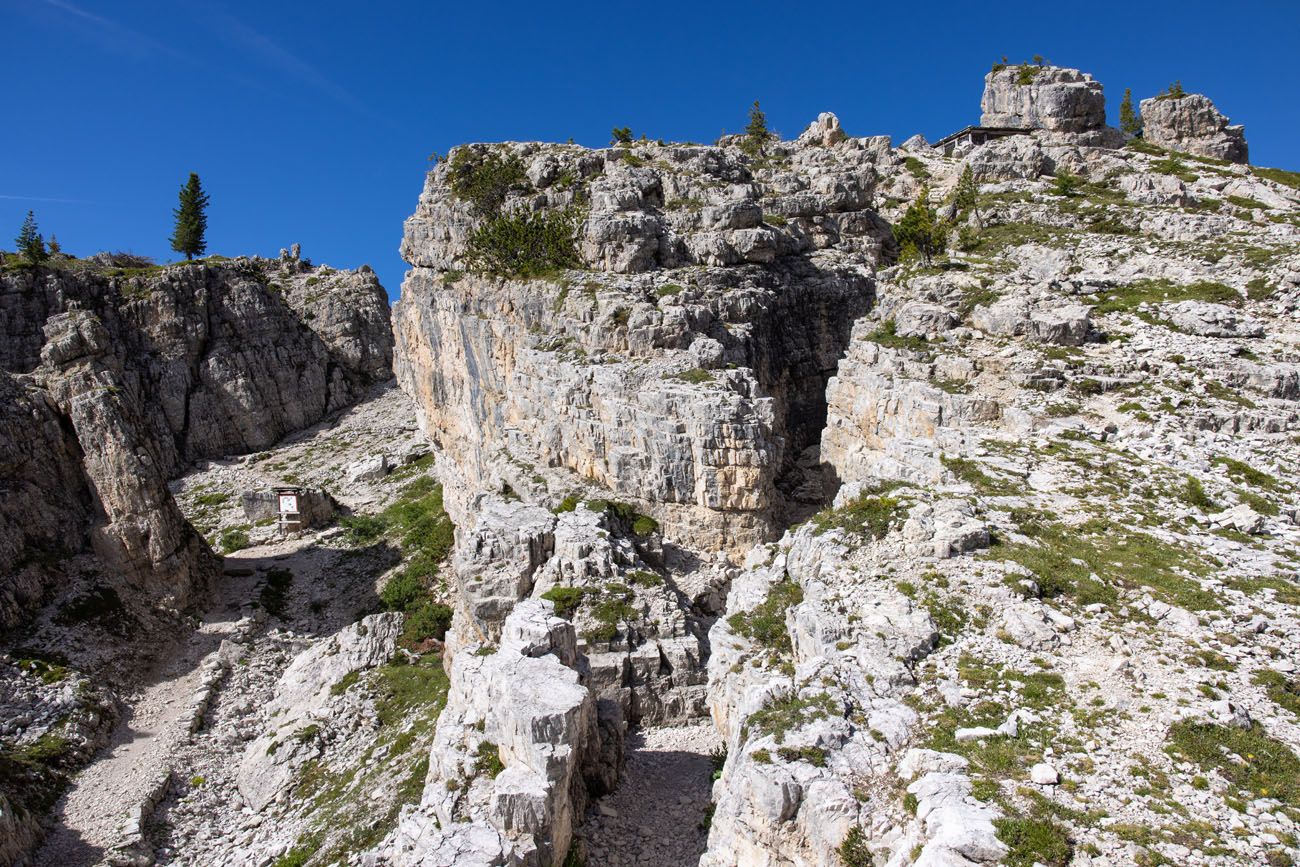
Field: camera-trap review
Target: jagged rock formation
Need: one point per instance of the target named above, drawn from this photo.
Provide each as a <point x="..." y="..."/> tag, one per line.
<point x="516" y="753"/>
<point x="586" y="382"/>
<point x="1191" y="124"/>
<point x="985" y="560"/>
<point x="1050" y="98"/>
<point x="841" y="673"/>
<point x="1057" y="387"/>
<point x="224" y="357"/>
<point x="129" y="377"/>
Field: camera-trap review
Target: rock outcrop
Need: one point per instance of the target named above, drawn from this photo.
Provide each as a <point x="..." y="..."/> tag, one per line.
<point x="1191" y="124"/>
<point x="301" y="704"/>
<point x="518" y="750"/>
<point x="1050" y="98"/>
<point x="123" y="378"/>
<point x="224" y="357"/>
<point x="682" y="372"/>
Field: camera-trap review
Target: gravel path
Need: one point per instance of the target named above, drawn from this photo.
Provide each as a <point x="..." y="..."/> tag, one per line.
<point x="655" y="818"/>
<point x="91" y="815"/>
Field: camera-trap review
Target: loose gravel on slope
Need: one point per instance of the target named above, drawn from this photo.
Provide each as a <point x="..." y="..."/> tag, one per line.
<point x="656" y="818"/>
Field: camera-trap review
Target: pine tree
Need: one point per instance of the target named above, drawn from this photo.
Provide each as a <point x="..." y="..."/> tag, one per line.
<point x="191" y="219"/>
<point x="1129" y="122"/>
<point x="757" y="135"/>
<point x="920" y="233"/>
<point x="620" y="135"/>
<point x="965" y="196"/>
<point x="54" y="246"/>
<point x="30" y="243"/>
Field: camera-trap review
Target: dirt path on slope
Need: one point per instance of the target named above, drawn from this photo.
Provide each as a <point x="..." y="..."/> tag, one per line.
<point x="93" y="812"/>
<point x="656" y="817"/>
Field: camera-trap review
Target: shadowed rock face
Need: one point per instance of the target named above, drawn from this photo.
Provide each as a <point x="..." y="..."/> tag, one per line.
<point x="123" y="380"/>
<point x="223" y="358"/>
<point x="1193" y="125"/>
<point x="1053" y="98"/>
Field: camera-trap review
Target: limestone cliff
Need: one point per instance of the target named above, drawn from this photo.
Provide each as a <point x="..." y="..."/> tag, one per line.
<point x="1007" y="444"/>
<point x="681" y="370"/>
<point x="119" y="377"/>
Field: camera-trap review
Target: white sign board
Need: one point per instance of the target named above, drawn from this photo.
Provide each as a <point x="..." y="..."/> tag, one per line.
<point x="288" y="503"/>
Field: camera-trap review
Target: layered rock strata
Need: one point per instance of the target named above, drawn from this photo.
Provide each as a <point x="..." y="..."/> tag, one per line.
<point x="1050" y="98"/>
<point x="682" y="371"/>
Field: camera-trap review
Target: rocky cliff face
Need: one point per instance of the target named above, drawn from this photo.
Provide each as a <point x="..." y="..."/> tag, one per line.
<point x="115" y="380"/>
<point x="1193" y="125"/>
<point x="225" y="357"/>
<point x="682" y="371"/>
<point x="122" y="378"/>
<point x="1056" y="457"/>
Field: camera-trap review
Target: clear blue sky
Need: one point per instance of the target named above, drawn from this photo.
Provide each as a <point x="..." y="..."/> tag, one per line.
<point x="313" y="121"/>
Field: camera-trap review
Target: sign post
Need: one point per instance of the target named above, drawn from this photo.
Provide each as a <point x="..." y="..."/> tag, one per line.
<point x="290" y="517"/>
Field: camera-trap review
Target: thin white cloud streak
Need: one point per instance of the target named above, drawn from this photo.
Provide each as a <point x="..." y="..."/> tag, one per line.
<point x="116" y="36"/>
<point x="274" y="55"/>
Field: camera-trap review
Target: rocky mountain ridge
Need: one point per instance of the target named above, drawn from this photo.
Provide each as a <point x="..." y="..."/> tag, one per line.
<point x="975" y="557"/>
<point x="959" y="567"/>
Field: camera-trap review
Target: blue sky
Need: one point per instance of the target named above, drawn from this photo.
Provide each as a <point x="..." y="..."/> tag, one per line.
<point x="313" y="121"/>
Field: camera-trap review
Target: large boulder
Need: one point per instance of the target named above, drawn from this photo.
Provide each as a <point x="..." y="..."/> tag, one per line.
<point x="1210" y="320"/>
<point x="1050" y="97"/>
<point x="1193" y="125"/>
<point x="1062" y="324"/>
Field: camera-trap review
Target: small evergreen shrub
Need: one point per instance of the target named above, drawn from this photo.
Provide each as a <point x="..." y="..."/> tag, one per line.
<point x="484" y="180"/>
<point x="566" y="599"/>
<point x="526" y="243"/>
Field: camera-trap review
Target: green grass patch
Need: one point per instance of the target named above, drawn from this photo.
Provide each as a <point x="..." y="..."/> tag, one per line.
<point x="419" y="523"/>
<point x="1034" y="841"/>
<point x="1064" y="558"/>
<point x="973" y="474"/>
<point x="1259" y="766"/>
<point x="402" y="688"/>
<point x="1282" y="690"/>
<point x="765" y="623"/>
<point x="487" y="760"/>
<point x="695" y="376"/>
<point x="1278" y="176"/>
<point x="1240" y="471"/>
<point x="779" y="717"/>
<point x="1124" y="299"/>
<point x="887" y="335"/>
<point x="870" y="515"/>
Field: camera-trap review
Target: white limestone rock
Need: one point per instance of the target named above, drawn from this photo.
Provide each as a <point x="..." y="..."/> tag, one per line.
<point x="1192" y="124"/>
<point x="1056" y="99"/>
